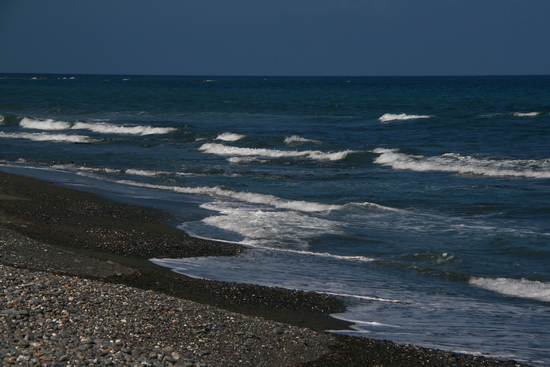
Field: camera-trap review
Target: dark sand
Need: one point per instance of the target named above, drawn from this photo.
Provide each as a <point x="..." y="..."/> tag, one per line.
<point x="81" y="234"/>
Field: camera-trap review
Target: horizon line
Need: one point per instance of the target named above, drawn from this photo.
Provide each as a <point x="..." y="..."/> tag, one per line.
<point x="272" y="76"/>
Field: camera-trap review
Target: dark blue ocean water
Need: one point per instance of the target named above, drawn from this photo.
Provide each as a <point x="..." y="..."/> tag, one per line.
<point x="423" y="201"/>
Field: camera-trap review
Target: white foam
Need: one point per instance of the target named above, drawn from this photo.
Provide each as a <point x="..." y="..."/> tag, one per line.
<point x="224" y="150"/>
<point x="249" y="197"/>
<point x="364" y="322"/>
<point x="295" y="139"/>
<point x="105" y="128"/>
<point x="230" y="136"/>
<point x="361" y="259"/>
<point x="141" y="172"/>
<point x="263" y="226"/>
<point x="243" y="160"/>
<point x="526" y="114"/>
<point x="387" y="117"/>
<point x="370" y="205"/>
<point x="76" y="168"/>
<point x="453" y="162"/>
<point x="83" y="139"/>
<point x="522" y="288"/>
<point x="97" y="127"/>
<point x="48" y="124"/>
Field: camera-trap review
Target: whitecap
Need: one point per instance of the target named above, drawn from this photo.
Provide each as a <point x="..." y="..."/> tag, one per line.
<point x="105" y="128"/>
<point x="224" y="150"/>
<point x="49" y="124"/>
<point x="295" y="139"/>
<point x="522" y="288"/>
<point x="526" y="114"/>
<point x="227" y="136"/>
<point x="141" y="172"/>
<point x="243" y="160"/>
<point x="457" y="163"/>
<point x="387" y="117"/>
<point x="82" y="139"/>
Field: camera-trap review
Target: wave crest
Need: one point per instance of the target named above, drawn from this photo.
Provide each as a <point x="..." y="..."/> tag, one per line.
<point x="230" y="136"/>
<point x="526" y="114"/>
<point x="387" y="117"/>
<point x="105" y="128"/>
<point x="295" y="139"/>
<point x="522" y="288"/>
<point x="456" y="163"/>
<point x="97" y="127"/>
<point x="224" y="150"/>
<point x="48" y="124"/>
<point x="249" y="197"/>
<point x="64" y="138"/>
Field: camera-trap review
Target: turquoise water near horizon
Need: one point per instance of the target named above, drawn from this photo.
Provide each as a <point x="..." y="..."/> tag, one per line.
<point x="424" y="202"/>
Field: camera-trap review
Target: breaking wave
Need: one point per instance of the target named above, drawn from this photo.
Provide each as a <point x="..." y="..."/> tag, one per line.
<point x="104" y="128"/>
<point x="522" y="288"/>
<point x="526" y="114"/>
<point x="230" y="137"/>
<point x="295" y="139"/>
<point x="244" y="160"/>
<point x="263" y="224"/>
<point x="48" y="124"/>
<point x="456" y="163"/>
<point x="97" y="127"/>
<point x="224" y="150"/>
<point x="64" y="138"/>
<point x="249" y="197"/>
<point x="145" y="173"/>
<point x="387" y="117"/>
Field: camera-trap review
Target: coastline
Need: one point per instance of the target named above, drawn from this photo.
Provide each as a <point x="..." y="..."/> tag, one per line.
<point x="65" y="232"/>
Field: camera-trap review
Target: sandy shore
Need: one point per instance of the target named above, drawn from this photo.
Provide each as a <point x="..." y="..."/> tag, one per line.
<point x="63" y="249"/>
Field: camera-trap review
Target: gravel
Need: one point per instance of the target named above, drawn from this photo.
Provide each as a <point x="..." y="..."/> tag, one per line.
<point x="51" y="320"/>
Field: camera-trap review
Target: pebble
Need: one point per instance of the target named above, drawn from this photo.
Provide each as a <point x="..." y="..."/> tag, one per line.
<point x="55" y="320"/>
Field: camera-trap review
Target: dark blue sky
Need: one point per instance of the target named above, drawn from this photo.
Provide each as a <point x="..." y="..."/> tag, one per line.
<point x="283" y="37"/>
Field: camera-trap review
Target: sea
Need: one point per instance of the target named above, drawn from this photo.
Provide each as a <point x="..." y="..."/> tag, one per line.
<point x="422" y="202"/>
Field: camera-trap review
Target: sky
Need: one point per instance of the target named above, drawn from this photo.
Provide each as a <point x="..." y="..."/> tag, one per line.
<point x="282" y="37"/>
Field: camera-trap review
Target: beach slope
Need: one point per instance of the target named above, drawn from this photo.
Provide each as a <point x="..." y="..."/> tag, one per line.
<point x="78" y="286"/>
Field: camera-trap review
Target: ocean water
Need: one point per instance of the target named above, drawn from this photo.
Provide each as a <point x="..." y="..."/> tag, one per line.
<point x="424" y="202"/>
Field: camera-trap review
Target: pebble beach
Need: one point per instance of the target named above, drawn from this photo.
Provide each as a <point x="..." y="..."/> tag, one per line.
<point x="78" y="290"/>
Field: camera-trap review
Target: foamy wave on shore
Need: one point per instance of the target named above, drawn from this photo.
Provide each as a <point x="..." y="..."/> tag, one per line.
<point x="97" y="127"/>
<point x="290" y="227"/>
<point x="224" y="150"/>
<point x="249" y="197"/>
<point x="522" y="288"/>
<point x="456" y="163"/>
<point x="387" y="117"/>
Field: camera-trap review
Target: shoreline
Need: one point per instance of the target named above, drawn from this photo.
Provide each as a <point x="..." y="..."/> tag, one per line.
<point x="63" y="231"/>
